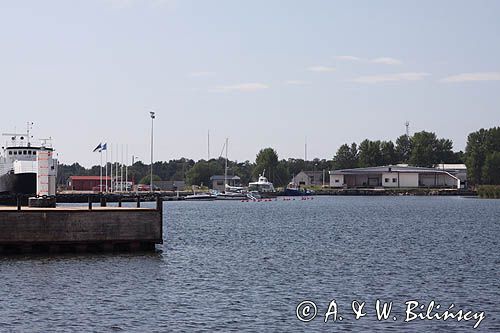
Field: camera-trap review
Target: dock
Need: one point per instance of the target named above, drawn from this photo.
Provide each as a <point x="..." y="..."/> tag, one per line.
<point x="80" y="229"/>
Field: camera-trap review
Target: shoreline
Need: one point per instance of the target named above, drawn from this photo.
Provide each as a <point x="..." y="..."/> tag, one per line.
<point x="172" y="196"/>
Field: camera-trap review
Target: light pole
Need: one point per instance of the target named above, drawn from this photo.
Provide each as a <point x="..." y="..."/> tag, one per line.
<point x="152" y="114"/>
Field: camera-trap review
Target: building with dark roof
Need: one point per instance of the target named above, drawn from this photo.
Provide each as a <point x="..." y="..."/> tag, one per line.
<point x="218" y="182"/>
<point x="393" y="176"/>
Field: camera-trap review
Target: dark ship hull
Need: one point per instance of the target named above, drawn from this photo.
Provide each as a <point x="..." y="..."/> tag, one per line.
<point x="294" y="192"/>
<point x="22" y="183"/>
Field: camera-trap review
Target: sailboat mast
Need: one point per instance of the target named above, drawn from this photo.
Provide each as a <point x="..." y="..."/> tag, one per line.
<point x="225" y="169"/>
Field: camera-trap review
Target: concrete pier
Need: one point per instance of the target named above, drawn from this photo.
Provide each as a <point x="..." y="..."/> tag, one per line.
<point x="80" y="229"/>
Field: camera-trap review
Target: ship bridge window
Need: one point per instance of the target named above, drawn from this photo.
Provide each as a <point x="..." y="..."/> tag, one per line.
<point x="25" y="152"/>
<point x="15" y="152"/>
<point x="29" y="152"/>
<point x="10" y="152"/>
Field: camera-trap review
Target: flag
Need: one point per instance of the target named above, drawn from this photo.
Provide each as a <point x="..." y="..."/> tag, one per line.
<point x="104" y="146"/>
<point x="98" y="148"/>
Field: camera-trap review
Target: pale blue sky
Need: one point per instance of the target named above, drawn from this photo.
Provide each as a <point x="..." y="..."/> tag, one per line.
<point x="263" y="73"/>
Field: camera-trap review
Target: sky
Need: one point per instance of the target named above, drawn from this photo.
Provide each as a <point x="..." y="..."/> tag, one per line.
<point x="261" y="73"/>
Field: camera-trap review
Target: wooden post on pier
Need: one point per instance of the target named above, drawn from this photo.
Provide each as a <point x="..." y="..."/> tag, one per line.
<point x="18" y="197"/>
<point x="138" y="201"/>
<point x="159" y="203"/>
<point x="159" y="208"/>
<point x="90" y="202"/>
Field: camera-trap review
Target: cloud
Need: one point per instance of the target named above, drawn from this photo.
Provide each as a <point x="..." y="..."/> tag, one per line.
<point x="240" y="87"/>
<point x="121" y="4"/>
<point x="381" y="60"/>
<point x="386" y="61"/>
<point x="391" y="77"/>
<point x="201" y="73"/>
<point x="348" y="58"/>
<point x="470" y="77"/>
<point x="297" y="82"/>
<point x="321" y="69"/>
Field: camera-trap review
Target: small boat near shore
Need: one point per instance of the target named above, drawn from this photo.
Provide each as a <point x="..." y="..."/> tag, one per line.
<point x="231" y="196"/>
<point x="201" y="197"/>
<point x="293" y="190"/>
<point x="262" y="188"/>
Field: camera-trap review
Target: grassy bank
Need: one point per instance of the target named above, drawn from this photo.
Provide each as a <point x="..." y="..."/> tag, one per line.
<point x="489" y="191"/>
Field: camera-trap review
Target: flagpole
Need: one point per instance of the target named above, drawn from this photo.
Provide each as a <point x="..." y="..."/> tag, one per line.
<point x="116" y="168"/>
<point x="111" y="168"/>
<point x="100" y="176"/>
<point x="121" y="172"/>
<point x="126" y="167"/>
<point x="106" y="178"/>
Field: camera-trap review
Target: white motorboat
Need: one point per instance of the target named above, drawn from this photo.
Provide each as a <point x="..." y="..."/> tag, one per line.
<point x="263" y="187"/>
<point x="201" y="197"/>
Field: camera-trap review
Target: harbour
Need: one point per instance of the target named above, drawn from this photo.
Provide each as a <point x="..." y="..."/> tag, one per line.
<point x="249" y="166"/>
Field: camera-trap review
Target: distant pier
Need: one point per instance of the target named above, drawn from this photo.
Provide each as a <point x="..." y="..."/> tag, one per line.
<point x="80" y="229"/>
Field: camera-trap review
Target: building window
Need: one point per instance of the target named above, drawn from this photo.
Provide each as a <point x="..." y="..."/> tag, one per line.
<point x="220" y="182"/>
<point x="336" y="180"/>
<point x="386" y="180"/>
<point x="394" y="180"/>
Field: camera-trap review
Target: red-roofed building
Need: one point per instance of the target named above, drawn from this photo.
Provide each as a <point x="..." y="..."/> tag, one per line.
<point x="87" y="183"/>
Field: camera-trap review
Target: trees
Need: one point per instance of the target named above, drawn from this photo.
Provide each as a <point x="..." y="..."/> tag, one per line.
<point x="202" y="170"/>
<point x="370" y="154"/>
<point x="491" y="169"/>
<point x="403" y="148"/>
<point x="276" y="171"/>
<point x="482" y="146"/>
<point x="147" y="179"/>
<point x="427" y="150"/>
<point x="346" y="157"/>
<point x="267" y="159"/>
<point x="423" y="149"/>
<point x="388" y="153"/>
<point x="376" y="153"/>
<point x="243" y="170"/>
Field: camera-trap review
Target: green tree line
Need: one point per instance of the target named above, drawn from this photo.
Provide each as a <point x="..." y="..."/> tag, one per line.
<point x="482" y="156"/>
<point x="425" y="149"/>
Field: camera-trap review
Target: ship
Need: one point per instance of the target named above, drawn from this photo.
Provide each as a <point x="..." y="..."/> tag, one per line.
<point x="26" y="168"/>
<point x="262" y="188"/>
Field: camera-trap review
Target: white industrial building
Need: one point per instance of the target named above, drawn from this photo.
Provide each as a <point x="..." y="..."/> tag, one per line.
<point x="394" y="176"/>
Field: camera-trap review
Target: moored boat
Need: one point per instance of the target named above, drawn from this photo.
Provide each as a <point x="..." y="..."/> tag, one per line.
<point x="201" y="197"/>
<point x="293" y="190"/>
<point x="262" y="187"/>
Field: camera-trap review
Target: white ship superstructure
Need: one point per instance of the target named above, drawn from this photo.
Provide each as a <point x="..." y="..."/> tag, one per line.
<point x="26" y="168"/>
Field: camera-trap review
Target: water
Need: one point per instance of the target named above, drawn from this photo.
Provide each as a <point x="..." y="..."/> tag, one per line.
<point x="233" y="266"/>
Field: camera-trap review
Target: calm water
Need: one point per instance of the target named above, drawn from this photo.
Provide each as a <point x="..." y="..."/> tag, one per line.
<point x="233" y="266"/>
